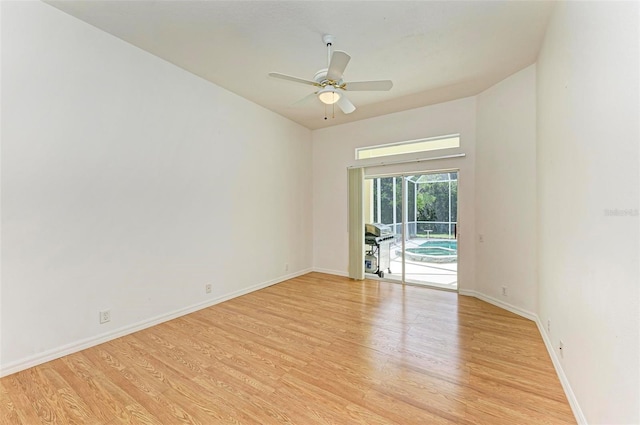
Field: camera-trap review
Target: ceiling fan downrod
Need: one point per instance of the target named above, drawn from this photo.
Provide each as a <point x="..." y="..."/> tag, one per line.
<point x="328" y="41"/>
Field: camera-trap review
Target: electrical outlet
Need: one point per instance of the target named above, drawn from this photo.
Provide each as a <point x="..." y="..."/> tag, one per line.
<point x="480" y="238"/>
<point x="549" y="325"/>
<point x="504" y="291"/>
<point x="286" y="267"/>
<point x="105" y="316"/>
<point x="561" y="349"/>
<point x="207" y="288"/>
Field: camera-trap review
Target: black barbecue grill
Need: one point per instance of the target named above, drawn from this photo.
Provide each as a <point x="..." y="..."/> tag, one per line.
<point x="378" y="238"/>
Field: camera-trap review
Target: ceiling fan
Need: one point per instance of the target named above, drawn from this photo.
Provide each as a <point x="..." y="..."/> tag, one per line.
<point x="330" y="81"/>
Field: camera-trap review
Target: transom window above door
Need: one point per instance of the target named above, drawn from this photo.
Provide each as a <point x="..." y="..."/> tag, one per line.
<point x="411" y="146"/>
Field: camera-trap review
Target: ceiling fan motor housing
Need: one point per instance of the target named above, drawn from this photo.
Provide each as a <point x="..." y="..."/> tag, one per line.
<point x="321" y="78"/>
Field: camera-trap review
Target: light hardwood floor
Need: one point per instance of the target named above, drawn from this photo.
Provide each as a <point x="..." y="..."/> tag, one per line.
<point x="318" y="349"/>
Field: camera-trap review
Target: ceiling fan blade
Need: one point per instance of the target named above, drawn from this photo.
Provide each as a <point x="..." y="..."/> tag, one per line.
<point x="382" y="85"/>
<point x="339" y="61"/>
<point x="345" y="104"/>
<point x="294" y="79"/>
<point x="305" y="100"/>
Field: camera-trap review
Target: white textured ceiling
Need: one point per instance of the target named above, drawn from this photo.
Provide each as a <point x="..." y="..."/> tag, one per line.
<point x="433" y="51"/>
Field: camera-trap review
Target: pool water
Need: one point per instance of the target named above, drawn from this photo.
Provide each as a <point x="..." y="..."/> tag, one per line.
<point x="442" y="247"/>
<point x="434" y="251"/>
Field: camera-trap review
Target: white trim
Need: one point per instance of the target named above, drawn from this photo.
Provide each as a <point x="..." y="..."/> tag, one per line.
<point x="503" y="305"/>
<point x="408" y="142"/>
<point x="329" y="271"/>
<point x="83" y="344"/>
<point x="566" y="386"/>
<point x="99" y="339"/>
<point x="406" y="161"/>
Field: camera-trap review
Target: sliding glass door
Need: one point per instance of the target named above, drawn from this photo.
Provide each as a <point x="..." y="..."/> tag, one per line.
<point x="420" y="211"/>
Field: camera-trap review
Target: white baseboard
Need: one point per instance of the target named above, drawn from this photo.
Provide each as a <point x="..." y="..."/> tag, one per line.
<point x="74" y="347"/>
<point x="498" y="303"/>
<point x="83" y="344"/>
<point x="568" y="391"/>
<point x="287" y="277"/>
<point x="329" y="271"/>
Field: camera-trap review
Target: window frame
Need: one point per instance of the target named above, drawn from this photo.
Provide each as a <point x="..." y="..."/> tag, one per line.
<point x="406" y="143"/>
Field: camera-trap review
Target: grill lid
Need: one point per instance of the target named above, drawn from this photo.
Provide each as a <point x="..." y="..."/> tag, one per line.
<point x="377" y="229"/>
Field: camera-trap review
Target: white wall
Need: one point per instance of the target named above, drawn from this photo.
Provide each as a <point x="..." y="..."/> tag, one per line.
<point x="334" y="151"/>
<point x="587" y="165"/>
<point x="505" y="198"/>
<point x="128" y="184"/>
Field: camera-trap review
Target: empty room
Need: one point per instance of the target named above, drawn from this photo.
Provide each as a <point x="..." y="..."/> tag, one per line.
<point x="311" y="212"/>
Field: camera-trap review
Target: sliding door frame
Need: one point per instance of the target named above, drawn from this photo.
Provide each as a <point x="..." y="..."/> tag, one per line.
<point x="404" y="222"/>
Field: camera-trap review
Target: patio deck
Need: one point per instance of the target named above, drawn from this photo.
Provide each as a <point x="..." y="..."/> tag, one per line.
<point x="440" y="275"/>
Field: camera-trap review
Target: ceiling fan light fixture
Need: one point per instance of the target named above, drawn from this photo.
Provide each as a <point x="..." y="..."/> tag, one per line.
<point x="329" y="95"/>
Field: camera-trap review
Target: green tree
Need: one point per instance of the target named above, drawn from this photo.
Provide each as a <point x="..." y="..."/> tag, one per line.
<point x="386" y="197"/>
<point x="433" y="201"/>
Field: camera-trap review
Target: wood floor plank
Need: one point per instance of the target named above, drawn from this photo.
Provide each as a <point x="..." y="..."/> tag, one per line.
<point x="74" y="408"/>
<point x="147" y="393"/>
<point x="325" y="405"/>
<point x="42" y="396"/>
<point x="16" y="407"/>
<point x="401" y="410"/>
<point x="317" y="349"/>
<point x="112" y="399"/>
<point x="251" y="401"/>
<point x="83" y="390"/>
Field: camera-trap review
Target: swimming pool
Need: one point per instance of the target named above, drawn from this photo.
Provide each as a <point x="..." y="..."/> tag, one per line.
<point x="436" y="251"/>
<point x="449" y="245"/>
